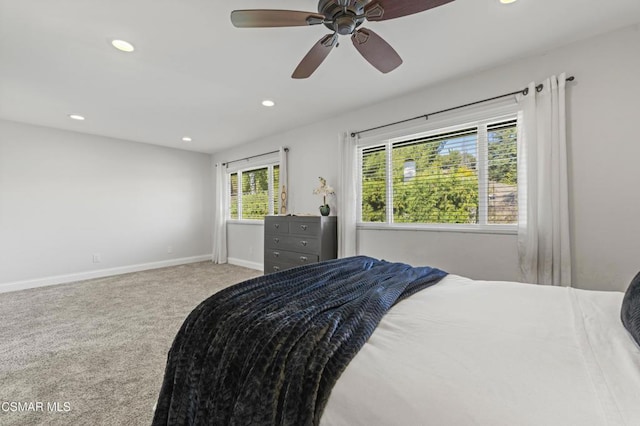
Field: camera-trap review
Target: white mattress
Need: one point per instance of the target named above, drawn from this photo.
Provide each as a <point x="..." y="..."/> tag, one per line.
<point x="468" y="352"/>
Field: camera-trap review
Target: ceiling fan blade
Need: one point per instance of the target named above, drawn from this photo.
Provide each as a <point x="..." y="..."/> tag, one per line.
<point x="315" y="57"/>
<point x="381" y="10"/>
<point x="255" y="18"/>
<point x="374" y="49"/>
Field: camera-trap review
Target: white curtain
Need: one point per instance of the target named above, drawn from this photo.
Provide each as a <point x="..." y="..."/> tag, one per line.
<point x="283" y="191"/>
<point x="543" y="229"/>
<point x="219" y="223"/>
<point x="347" y="196"/>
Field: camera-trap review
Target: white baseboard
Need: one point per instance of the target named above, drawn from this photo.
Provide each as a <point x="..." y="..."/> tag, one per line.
<point x="245" y="263"/>
<point x="80" y="276"/>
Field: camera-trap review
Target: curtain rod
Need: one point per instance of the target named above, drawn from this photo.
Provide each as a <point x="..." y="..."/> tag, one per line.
<point x="524" y="91"/>
<point x="253" y="156"/>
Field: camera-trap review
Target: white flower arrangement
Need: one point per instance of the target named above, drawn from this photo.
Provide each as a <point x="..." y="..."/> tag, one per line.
<point x="324" y="190"/>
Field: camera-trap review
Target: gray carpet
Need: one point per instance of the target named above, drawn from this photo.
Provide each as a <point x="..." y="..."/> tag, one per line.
<point x="97" y="348"/>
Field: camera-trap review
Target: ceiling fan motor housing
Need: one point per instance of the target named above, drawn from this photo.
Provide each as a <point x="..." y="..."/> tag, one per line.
<point x="344" y="22"/>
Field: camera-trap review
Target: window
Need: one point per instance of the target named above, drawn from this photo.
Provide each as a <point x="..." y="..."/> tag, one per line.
<point x="465" y="175"/>
<point x="253" y="192"/>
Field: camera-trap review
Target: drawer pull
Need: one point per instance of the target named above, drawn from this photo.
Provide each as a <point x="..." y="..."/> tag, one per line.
<point x="276" y="240"/>
<point x="304" y="243"/>
<point x="304" y="227"/>
<point x="276" y="268"/>
<point x="276" y="254"/>
<point x="303" y="258"/>
<point x="277" y="225"/>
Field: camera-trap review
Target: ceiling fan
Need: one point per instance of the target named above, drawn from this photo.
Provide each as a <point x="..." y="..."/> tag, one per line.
<point x="342" y="17"/>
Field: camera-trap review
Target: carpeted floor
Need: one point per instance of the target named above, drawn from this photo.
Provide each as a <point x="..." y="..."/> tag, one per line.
<point x="93" y="352"/>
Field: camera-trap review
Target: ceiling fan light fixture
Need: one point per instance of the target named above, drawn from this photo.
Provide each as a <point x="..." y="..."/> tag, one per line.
<point x="186" y="139"/>
<point x="345" y="25"/>
<point x="341" y="17"/>
<point x="77" y="117"/>
<point x="268" y="103"/>
<point x="123" y="46"/>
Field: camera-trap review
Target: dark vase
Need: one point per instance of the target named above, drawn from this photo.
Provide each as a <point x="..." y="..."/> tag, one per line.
<point x="325" y="210"/>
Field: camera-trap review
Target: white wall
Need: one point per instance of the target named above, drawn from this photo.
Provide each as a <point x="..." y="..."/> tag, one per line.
<point x="65" y="196"/>
<point x="603" y="156"/>
<point x="245" y="244"/>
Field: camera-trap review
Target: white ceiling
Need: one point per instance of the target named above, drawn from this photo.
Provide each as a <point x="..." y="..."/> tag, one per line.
<point x="194" y="74"/>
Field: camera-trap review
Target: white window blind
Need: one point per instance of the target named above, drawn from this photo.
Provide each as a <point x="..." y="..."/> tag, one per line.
<point x="502" y="179"/>
<point x="251" y="192"/>
<point x="462" y="176"/>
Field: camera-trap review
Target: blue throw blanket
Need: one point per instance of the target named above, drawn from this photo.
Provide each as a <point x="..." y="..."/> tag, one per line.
<point x="269" y="350"/>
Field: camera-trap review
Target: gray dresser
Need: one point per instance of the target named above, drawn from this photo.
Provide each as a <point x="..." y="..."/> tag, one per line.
<point x="291" y="241"/>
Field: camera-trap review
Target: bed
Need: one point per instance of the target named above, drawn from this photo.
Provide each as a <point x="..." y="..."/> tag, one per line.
<point x="457" y="352"/>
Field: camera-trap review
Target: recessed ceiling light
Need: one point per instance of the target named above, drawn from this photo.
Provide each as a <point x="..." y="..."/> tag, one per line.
<point x="186" y="139"/>
<point x="507" y="1"/>
<point x="122" y="45"/>
<point x="76" y="117"/>
<point x="268" y="103"/>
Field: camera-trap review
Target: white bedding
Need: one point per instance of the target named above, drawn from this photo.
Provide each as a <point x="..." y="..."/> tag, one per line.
<point x="468" y="352"/>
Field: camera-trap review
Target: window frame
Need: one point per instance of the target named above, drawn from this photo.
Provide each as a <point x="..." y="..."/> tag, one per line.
<point x="481" y="119"/>
<point x="269" y="165"/>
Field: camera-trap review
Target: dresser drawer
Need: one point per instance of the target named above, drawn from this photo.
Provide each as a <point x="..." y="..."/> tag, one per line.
<point x="276" y="226"/>
<point x="278" y="242"/>
<point x="279" y="264"/>
<point x="270" y="267"/>
<point x="290" y="257"/>
<point x="292" y="243"/>
<point x="310" y="228"/>
<point x="303" y="244"/>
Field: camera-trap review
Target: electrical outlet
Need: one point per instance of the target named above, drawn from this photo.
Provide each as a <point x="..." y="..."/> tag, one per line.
<point x="96" y="258"/>
<point x="169" y="249"/>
